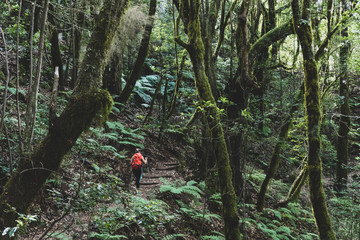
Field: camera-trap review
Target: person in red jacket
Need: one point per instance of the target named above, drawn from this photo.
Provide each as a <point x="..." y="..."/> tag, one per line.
<point x="136" y="164"/>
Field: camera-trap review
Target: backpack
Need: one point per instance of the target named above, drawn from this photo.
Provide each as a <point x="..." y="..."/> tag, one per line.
<point x="137" y="161"/>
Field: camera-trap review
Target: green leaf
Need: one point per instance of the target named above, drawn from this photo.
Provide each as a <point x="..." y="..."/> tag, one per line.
<point x="284" y="229"/>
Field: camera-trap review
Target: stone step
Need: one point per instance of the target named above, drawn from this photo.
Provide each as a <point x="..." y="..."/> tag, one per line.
<point x="166" y="168"/>
<point x="149" y="183"/>
<point x="157" y="176"/>
<point x="171" y="164"/>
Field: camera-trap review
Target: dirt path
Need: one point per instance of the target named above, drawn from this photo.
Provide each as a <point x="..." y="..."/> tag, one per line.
<point x="163" y="158"/>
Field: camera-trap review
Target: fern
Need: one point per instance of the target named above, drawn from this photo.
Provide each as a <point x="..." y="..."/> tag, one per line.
<point x="187" y="189"/>
<point x="139" y="145"/>
<point x="173" y="236"/>
<point x="107" y="236"/>
<point x="219" y="236"/>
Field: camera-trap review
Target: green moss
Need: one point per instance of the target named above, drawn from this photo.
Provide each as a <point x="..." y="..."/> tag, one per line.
<point x="77" y="117"/>
<point x="196" y="51"/>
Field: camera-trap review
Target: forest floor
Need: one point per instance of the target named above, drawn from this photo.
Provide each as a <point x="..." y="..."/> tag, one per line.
<point x="73" y="202"/>
<point x="55" y="206"/>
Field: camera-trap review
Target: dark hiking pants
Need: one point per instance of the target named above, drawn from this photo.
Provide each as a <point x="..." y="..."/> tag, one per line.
<point x="138" y="175"/>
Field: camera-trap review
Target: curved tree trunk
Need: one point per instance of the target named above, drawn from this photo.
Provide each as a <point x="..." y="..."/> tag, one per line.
<point x="313" y="120"/>
<point x="189" y="12"/>
<point x="143" y="51"/>
<point x="86" y="104"/>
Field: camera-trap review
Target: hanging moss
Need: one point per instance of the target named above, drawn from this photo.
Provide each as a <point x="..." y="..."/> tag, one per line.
<point x="97" y="51"/>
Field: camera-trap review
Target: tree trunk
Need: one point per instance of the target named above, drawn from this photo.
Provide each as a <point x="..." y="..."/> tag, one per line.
<point x="31" y="110"/>
<point x="86" y="104"/>
<point x="275" y="159"/>
<point x="177" y="86"/>
<point x="189" y="12"/>
<point x="238" y="89"/>
<point x="344" y="124"/>
<point x="55" y="48"/>
<point x="79" y="19"/>
<point x="313" y="120"/>
<point x="209" y="19"/>
<point x="143" y="51"/>
<point x="260" y="70"/>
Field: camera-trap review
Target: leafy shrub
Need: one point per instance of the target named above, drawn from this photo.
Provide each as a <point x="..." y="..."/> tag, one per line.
<point x="143" y="217"/>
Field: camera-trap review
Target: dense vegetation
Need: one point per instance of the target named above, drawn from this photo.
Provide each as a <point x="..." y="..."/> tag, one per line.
<point x="248" y="112"/>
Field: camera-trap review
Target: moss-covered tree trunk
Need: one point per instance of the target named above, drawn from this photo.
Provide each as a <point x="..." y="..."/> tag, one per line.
<point x="313" y="119"/>
<point x="189" y="12"/>
<point x="344" y="124"/>
<point x="275" y="158"/>
<point x="238" y="89"/>
<point x="86" y="104"/>
<point x="260" y="68"/>
<point x="209" y="19"/>
<point x="143" y="51"/>
<point x="78" y="22"/>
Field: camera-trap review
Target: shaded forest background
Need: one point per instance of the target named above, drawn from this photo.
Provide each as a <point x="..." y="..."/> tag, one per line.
<point x="247" y="110"/>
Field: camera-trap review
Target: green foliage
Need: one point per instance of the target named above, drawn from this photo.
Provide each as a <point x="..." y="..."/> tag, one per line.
<point x="145" y="87"/>
<point x="59" y="235"/>
<point x="345" y="211"/>
<point x="173" y="236"/>
<point x="189" y="189"/>
<point x="194" y="210"/>
<point x="218" y="236"/>
<point x="195" y="214"/>
<point x="100" y="142"/>
<point x="21" y="224"/>
<point x="282" y="223"/>
<point x="107" y="236"/>
<point x="138" y="213"/>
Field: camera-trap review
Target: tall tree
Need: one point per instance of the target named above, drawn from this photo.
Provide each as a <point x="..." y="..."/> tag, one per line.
<point x="209" y="17"/>
<point x="313" y="118"/>
<point x="238" y="91"/>
<point x="344" y="124"/>
<point x="31" y="110"/>
<point x="143" y="51"/>
<point x="88" y="103"/>
<point x="78" y="20"/>
<point x="189" y="13"/>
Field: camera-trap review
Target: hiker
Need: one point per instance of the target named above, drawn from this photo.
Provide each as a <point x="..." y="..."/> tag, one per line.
<point x="136" y="162"/>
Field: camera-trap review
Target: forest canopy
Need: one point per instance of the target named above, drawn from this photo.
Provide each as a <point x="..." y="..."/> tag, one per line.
<point x="246" y="111"/>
